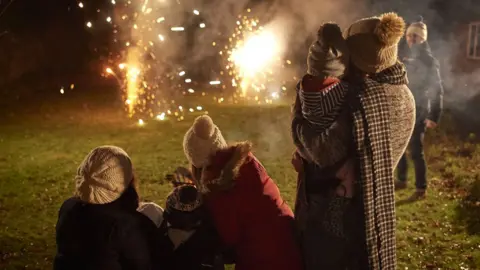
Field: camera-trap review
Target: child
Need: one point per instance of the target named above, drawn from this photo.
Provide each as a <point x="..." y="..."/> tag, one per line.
<point x="321" y="102"/>
<point x="185" y="233"/>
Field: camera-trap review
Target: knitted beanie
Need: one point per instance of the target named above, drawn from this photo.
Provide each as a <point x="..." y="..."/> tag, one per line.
<point x="372" y="42"/>
<point x="418" y="28"/>
<point x="184" y="198"/>
<point x="183" y="208"/>
<point x="105" y="173"/>
<point x="328" y="54"/>
<point x="201" y="140"/>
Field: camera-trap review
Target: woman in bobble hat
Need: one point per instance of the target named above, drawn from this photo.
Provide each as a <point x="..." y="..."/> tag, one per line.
<point x="99" y="227"/>
<point x="245" y="204"/>
<point x="381" y="112"/>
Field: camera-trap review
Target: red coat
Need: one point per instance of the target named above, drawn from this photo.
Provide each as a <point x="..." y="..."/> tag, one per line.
<point x="251" y="217"/>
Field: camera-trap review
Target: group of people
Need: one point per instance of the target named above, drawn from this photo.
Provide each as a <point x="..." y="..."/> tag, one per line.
<point x="352" y="120"/>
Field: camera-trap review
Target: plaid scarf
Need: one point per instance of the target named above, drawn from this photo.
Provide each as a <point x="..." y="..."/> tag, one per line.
<point x="372" y="141"/>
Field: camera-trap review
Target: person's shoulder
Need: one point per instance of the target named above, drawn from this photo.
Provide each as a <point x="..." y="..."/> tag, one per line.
<point x="69" y="204"/>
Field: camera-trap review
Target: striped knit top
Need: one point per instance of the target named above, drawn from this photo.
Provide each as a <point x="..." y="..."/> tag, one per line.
<point x="322" y="106"/>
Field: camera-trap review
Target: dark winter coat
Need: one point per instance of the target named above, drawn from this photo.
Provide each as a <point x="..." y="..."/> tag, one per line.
<point x="104" y="237"/>
<point x="424" y="82"/>
<point x="202" y="250"/>
<point x="251" y="218"/>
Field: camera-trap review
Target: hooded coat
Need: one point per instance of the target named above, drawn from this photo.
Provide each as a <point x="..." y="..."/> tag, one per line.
<point x="251" y="217"/>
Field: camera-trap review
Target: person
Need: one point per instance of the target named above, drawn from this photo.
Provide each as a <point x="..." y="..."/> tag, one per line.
<point x="358" y="231"/>
<point x="99" y="227"/>
<point x="245" y="204"/>
<point x="425" y="83"/>
<point x="322" y="157"/>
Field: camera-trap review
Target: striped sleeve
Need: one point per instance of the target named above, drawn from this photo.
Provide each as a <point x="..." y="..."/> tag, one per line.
<point x="321" y="108"/>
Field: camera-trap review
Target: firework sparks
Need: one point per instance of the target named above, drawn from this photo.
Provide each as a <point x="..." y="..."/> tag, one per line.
<point x="150" y="82"/>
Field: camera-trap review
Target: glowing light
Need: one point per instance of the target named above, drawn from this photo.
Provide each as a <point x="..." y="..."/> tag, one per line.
<point x="161" y="116"/>
<point x="191" y="90"/>
<point x="72" y="86"/>
<point x="177" y="29"/>
<point x="161" y="38"/>
<point x="199" y="108"/>
<point x="62" y="91"/>
<point x="80" y="4"/>
<point x="161" y="19"/>
<point x="140" y="122"/>
<point x="89" y="24"/>
<point x="109" y="19"/>
<point x="202" y="25"/>
<point x="191" y="110"/>
<point x="275" y="95"/>
<point x="121" y="66"/>
<point x="109" y="70"/>
<point x="113" y="2"/>
<point x="215" y="82"/>
<point x="180" y="108"/>
<point x="188" y="80"/>
<point x="181" y="73"/>
<point x="196" y="12"/>
<point x="256" y="53"/>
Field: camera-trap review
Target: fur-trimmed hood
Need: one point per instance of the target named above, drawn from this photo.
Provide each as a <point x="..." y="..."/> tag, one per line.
<point x="224" y="167"/>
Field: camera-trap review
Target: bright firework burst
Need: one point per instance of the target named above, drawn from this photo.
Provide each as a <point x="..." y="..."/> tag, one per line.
<point x="254" y="55"/>
<point x="150" y="77"/>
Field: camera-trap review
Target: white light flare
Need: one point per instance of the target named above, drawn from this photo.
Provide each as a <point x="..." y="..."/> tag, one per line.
<point x="202" y="25"/>
<point x="215" y="82"/>
<point x="258" y="51"/>
<point x="177" y="29"/>
<point x="196" y="12"/>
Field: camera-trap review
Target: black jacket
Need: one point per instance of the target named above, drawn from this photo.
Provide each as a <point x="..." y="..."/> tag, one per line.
<point x="104" y="237"/>
<point x="202" y="251"/>
<point x="424" y="81"/>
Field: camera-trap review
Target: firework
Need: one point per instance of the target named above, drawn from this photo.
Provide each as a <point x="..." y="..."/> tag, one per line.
<point x="253" y="56"/>
<point x="153" y="84"/>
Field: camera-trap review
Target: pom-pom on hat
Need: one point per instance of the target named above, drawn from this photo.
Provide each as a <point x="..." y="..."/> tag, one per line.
<point x="373" y="42"/>
<point x="201" y="140"/>
<point x="105" y="173"/>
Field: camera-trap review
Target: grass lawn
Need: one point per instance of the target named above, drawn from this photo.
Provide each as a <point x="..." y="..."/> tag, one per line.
<point x="40" y="151"/>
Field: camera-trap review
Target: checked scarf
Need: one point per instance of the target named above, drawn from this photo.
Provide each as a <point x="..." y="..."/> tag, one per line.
<point x="372" y="141"/>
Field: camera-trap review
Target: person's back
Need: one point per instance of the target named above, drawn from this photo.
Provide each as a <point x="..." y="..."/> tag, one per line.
<point x="101" y="237"/>
<point x="263" y="231"/>
<point x="99" y="228"/>
<point x="401" y="115"/>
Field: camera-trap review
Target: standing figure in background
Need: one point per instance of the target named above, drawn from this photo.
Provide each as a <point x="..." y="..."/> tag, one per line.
<point x="426" y="86"/>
